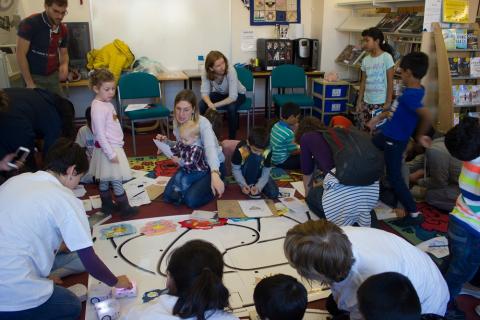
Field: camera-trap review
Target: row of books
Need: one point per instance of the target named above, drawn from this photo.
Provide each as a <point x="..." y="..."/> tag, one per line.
<point x="466" y="94"/>
<point x="464" y="66"/>
<point x="462" y="39"/>
<point x="405" y="23"/>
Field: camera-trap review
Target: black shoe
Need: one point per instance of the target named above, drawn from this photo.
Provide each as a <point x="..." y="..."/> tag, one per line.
<point x="126" y="211"/>
<point x="409" y="221"/>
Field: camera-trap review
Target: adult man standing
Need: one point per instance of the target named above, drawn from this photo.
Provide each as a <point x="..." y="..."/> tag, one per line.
<point x="42" y="47"/>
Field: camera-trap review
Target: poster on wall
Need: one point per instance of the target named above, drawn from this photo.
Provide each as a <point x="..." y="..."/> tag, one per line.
<point x="272" y="12"/>
<point x="455" y="11"/>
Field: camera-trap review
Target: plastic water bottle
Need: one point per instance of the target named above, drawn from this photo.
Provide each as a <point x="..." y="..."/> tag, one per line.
<point x="200" y="62"/>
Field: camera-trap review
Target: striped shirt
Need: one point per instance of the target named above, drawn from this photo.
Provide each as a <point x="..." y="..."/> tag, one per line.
<point x="467" y="208"/>
<point x="282" y="142"/>
<point x="345" y="205"/>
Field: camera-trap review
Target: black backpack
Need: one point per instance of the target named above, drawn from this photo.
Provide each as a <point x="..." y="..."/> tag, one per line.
<point x="357" y="161"/>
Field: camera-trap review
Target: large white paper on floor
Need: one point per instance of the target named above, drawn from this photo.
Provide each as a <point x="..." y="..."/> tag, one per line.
<point x="298" y="185"/>
<point x="255" y="208"/>
<point x="164" y="148"/>
<point x="253" y="249"/>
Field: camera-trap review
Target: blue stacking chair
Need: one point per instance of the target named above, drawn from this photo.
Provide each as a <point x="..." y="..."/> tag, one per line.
<point x="289" y="76"/>
<point x="245" y="76"/>
<point x="136" y="86"/>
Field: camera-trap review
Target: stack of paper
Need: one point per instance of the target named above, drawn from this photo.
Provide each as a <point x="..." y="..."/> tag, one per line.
<point x="137" y="106"/>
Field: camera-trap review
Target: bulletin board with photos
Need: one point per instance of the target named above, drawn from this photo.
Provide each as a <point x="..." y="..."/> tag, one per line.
<point x="272" y="12"/>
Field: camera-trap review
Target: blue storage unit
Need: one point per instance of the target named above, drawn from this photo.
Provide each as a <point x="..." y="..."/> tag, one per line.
<point x="330" y="98"/>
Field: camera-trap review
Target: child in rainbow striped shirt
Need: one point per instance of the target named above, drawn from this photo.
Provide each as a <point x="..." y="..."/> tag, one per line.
<point x="463" y="142"/>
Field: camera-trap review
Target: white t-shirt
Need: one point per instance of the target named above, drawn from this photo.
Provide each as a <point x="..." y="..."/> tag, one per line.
<point x="378" y="251"/>
<point x="86" y="139"/>
<point x="162" y="308"/>
<point x="37" y="212"/>
<point x="376" y="80"/>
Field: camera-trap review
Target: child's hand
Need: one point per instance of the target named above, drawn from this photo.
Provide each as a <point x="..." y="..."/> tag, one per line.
<point x="254" y="190"/>
<point x="114" y="160"/>
<point x="246" y="189"/>
<point x="123" y="282"/>
<point x="161" y="138"/>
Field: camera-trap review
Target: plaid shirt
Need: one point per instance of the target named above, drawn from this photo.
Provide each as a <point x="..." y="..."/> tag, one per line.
<point x="192" y="157"/>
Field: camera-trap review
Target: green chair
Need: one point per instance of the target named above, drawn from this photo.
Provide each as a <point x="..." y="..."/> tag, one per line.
<point x="141" y="86"/>
<point x="293" y="77"/>
<point x="245" y="76"/>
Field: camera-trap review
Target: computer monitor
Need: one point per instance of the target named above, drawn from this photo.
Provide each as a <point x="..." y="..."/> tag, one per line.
<point x="79" y="43"/>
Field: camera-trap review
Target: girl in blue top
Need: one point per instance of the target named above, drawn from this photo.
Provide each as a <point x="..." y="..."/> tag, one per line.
<point x="376" y="87"/>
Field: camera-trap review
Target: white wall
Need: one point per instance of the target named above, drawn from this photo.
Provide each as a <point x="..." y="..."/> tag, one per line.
<point x="76" y="11"/>
<point x="333" y="41"/>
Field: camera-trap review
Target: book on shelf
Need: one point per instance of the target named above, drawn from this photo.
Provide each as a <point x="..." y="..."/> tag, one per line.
<point x="392" y="21"/>
<point x="464" y="66"/>
<point x="461" y="38"/>
<point x="466" y="94"/>
<point x="414" y="24"/>
<point x="456" y="118"/>
<point x="475" y="67"/>
<point x="449" y="38"/>
<point x="453" y="62"/>
<point x="351" y="55"/>
<point x="472" y="40"/>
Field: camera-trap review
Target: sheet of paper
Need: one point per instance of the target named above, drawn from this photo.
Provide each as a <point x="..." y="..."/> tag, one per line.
<point x="384" y="212"/>
<point x="248" y="41"/>
<point x="163" y="147"/>
<point x="203" y="215"/>
<point x="136" y="192"/>
<point x="79" y="191"/>
<point x="96" y="201"/>
<point x="255" y="208"/>
<point x="437" y="246"/>
<point x="286" y="192"/>
<point x="294" y="204"/>
<point x="138" y="173"/>
<point x="162" y="181"/>
<point x="432" y="13"/>
<point x="298" y="185"/>
<point x="136" y="106"/>
<point x="87" y="204"/>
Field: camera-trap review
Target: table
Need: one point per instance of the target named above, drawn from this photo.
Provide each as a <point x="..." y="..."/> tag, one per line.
<point x="195" y="75"/>
<point x="171" y="76"/>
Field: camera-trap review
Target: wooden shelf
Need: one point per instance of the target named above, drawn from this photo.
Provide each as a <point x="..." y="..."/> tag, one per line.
<point x="463" y="50"/>
<point x="466" y="105"/>
<point x="465" y="78"/>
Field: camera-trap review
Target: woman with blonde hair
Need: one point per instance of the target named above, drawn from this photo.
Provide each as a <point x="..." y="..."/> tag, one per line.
<point x="199" y="193"/>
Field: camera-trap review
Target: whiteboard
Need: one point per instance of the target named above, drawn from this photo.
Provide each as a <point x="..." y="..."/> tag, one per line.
<point x="173" y="32"/>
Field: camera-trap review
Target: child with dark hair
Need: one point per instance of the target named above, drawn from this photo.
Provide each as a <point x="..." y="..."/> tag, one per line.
<point x="39" y="212"/>
<point x="393" y="139"/>
<point x="195" y="287"/>
<point x="252" y="163"/>
<point x="463" y="142"/>
<point x="285" y="152"/>
<point x="390" y="295"/>
<point x="376" y="86"/>
<point x="343" y="257"/>
<point x="280" y="297"/>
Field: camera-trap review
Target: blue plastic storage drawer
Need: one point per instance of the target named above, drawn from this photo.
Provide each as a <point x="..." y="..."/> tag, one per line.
<point x="332" y="90"/>
<point x="331" y="105"/>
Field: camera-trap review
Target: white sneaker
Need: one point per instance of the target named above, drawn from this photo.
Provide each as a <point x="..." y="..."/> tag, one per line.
<point x="477" y="310"/>
<point x="415" y="214"/>
<point x="470" y="290"/>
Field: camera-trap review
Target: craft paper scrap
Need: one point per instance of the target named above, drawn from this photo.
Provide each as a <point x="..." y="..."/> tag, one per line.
<point x="154" y="228"/>
<point x="255" y="208"/>
<point x="163" y="147"/>
<point x="117" y="230"/>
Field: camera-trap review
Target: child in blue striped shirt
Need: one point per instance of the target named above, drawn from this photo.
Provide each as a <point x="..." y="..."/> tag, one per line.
<point x="285" y="152"/>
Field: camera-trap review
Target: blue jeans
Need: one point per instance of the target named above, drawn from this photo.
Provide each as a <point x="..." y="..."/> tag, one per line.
<point x="62" y="305"/>
<point x="252" y="171"/>
<point x="464" y="246"/>
<point x="183" y="180"/>
<point x="66" y="264"/>
<point x="393" y="154"/>
<point x="199" y="193"/>
<point x="231" y="109"/>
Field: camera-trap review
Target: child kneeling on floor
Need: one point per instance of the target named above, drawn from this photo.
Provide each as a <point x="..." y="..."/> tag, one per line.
<point x="252" y="163"/>
<point x="194" y="284"/>
<point x="280" y="297"/>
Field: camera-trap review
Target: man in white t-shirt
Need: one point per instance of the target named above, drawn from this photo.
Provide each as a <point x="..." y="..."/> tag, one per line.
<point x="345" y="257"/>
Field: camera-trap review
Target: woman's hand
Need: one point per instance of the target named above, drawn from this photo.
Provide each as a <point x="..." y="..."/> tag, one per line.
<point x="4" y="162"/>
<point x="217" y="185"/>
<point x="123" y="282"/>
<point x="211" y="105"/>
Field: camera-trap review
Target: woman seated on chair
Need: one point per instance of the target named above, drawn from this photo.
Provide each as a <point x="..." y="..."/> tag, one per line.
<point x="221" y="89"/>
<point x="203" y="190"/>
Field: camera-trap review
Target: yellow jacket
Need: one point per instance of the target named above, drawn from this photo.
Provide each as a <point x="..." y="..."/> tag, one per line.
<point x="115" y="56"/>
